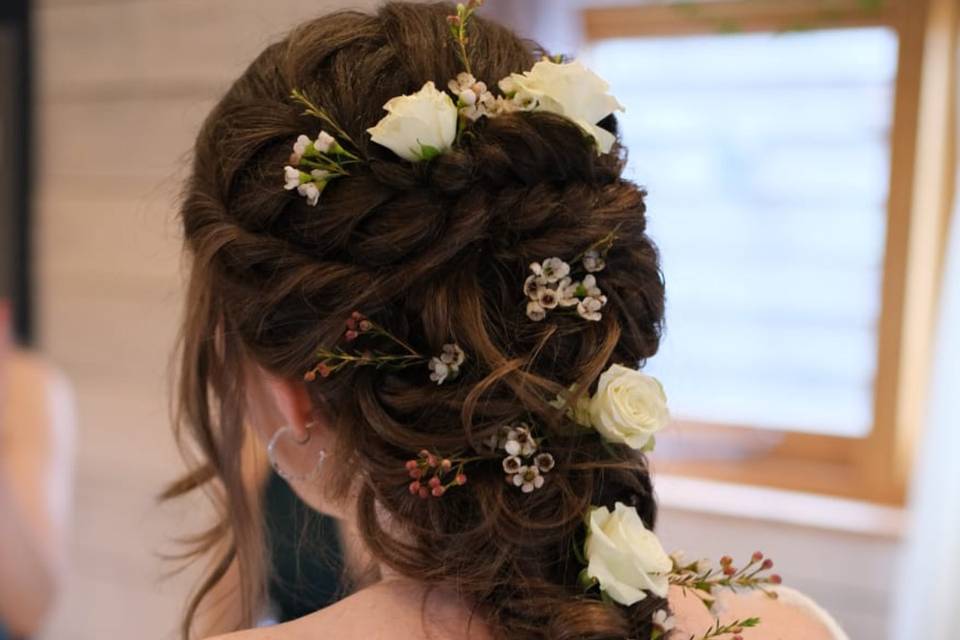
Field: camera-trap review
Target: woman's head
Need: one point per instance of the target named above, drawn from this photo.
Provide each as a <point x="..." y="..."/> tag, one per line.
<point x="435" y="252"/>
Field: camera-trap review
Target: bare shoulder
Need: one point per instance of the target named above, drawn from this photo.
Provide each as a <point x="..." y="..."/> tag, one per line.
<point x="380" y="612"/>
<point x="790" y="616"/>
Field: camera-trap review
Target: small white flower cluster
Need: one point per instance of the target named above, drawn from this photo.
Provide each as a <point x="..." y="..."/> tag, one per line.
<point x="550" y="286"/>
<point x="313" y="164"/>
<point x="309" y="185"/>
<point x="446" y="366"/>
<point x="525" y="468"/>
<point x="474" y="100"/>
<point x="664" y="622"/>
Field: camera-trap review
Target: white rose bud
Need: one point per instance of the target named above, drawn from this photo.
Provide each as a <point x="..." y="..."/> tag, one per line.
<point x="629" y="407"/>
<point x="419" y="126"/>
<point x="624" y="556"/>
<point x="570" y="90"/>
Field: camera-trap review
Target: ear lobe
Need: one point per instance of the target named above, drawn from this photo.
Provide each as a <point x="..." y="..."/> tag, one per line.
<point x="293" y="402"/>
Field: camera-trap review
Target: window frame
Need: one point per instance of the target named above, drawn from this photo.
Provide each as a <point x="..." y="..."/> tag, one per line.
<point x="875" y="467"/>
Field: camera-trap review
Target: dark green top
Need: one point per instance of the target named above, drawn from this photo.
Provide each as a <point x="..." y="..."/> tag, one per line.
<point x="305" y="551"/>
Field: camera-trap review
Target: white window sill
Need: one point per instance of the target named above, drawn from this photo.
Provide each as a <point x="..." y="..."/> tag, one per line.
<point x="777" y="505"/>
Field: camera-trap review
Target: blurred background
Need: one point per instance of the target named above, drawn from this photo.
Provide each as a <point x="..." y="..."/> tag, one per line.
<point x="800" y="162"/>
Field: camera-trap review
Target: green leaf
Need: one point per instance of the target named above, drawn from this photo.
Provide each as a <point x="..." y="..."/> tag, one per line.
<point x="428" y="152"/>
<point x="580" y="554"/>
<point x="585" y="580"/>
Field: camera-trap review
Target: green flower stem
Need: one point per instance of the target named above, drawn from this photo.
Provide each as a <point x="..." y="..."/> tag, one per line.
<point x="312" y="109"/>
<point x="734" y="627"/>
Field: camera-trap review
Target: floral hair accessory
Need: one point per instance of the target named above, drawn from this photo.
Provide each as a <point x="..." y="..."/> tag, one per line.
<point x="567" y="89"/>
<point x="627" y="563"/>
<point x="444" y="367"/>
<point x="433" y="475"/>
<point x="426" y="124"/>
<point x="447" y="364"/>
<point x="629" y="407"/>
<point x="314" y="163"/>
<point x="623" y="557"/>
<point x="523" y="466"/>
<point x="418" y="127"/>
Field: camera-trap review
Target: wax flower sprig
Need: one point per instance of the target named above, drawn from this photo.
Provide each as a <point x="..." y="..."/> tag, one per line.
<point x="314" y="163"/>
<point x="433" y="475"/>
<point x="458" y="29"/>
<point x="733" y="629"/>
<point x="703" y="580"/>
<point x="443" y="367"/>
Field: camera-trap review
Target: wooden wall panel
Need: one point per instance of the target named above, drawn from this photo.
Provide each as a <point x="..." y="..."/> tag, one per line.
<point x="160" y="46"/>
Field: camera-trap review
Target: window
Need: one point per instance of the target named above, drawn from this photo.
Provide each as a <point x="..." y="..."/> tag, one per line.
<point x="777" y="141"/>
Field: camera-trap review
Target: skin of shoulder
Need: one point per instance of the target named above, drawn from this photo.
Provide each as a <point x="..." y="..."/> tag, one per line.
<point x="780" y="618"/>
<point x="384" y="611"/>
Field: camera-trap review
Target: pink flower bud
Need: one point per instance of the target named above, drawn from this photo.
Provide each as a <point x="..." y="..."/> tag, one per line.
<point x="365" y="325"/>
<point x="431" y="460"/>
<point x="438" y="491"/>
<point x="323" y="370"/>
<point x="461" y="479"/>
<point x="352" y="323"/>
<point x="434" y="482"/>
<point x="423" y="453"/>
<point x="726" y="560"/>
<point x="767" y="564"/>
<point x="776" y="579"/>
<point x="414" y="487"/>
<point x="410" y="465"/>
<point x="416" y="473"/>
<point x="350" y="335"/>
<point x="310" y="376"/>
<point x="446" y="465"/>
<point x="729" y="570"/>
<point x="757" y="556"/>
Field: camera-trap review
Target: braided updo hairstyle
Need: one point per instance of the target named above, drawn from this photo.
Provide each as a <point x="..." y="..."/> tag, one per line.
<point x="435" y="252"/>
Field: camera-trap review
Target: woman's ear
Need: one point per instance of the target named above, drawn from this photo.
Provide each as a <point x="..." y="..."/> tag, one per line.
<point x="293" y="402"/>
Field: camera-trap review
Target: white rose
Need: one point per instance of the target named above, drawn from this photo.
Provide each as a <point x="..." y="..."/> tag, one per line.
<point x="570" y="90"/>
<point x="418" y="127"/>
<point x="624" y="556"/>
<point x="629" y="407"/>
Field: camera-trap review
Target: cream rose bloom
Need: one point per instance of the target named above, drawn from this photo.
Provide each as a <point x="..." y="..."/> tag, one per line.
<point x="570" y="90"/>
<point x="624" y="556"/>
<point x="629" y="407"/>
<point x="419" y="126"/>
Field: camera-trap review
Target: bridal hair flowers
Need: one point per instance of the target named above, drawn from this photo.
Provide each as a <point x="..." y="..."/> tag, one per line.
<point x="443" y="367"/>
<point x="433" y="475"/>
<point x="627" y="563"/>
<point x="423" y="125"/>
<point x="629" y="407"/>
<point x="550" y="284"/>
<point x="623" y="557"/>
<point x="525" y="465"/>
<point x="314" y="163"/>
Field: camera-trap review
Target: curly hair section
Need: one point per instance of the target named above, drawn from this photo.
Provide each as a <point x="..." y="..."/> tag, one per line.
<point x="435" y="252"/>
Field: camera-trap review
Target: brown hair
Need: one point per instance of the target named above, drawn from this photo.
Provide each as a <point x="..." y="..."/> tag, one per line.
<point x="435" y="252"/>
